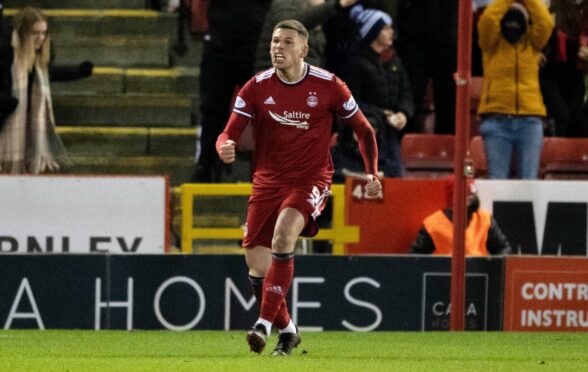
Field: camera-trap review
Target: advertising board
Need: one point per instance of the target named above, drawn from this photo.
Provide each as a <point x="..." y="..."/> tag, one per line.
<point x="546" y="294"/>
<point x="63" y="214"/>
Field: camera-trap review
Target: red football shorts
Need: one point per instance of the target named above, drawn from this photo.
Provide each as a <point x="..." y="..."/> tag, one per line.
<point x="265" y="205"/>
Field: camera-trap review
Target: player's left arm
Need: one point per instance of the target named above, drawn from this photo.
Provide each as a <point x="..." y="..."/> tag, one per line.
<point x="368" y="148"/>
<point x="347" y="108"/>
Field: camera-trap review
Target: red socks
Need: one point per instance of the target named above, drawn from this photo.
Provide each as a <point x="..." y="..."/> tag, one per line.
<point x="283" y="317"/>
<point x="275" y="287"/>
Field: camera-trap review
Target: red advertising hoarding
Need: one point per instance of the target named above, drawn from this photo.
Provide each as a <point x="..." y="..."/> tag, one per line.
<point x="390" y="223"/>
<point x="546" y="294"/>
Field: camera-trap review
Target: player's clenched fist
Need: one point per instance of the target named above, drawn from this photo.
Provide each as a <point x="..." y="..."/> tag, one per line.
<point x="227" y="152"/>
<point x="373" y="187"/>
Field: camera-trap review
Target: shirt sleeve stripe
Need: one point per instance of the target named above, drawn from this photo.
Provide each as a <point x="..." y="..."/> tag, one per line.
<point x="244" y="113"/>
<point x="264" y="75"/>
<point x="319" y="72"/>
<point x="321" y="76"/>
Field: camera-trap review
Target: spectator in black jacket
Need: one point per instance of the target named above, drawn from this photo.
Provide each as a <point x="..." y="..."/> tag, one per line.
<point x="227" y="63"/>
<point x="564" y="65"/>
<point x="427" y="44"/>
<point x="381" y="87"/>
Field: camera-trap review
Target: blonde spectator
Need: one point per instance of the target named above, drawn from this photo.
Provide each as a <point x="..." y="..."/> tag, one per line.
<point x="28" y="141"/>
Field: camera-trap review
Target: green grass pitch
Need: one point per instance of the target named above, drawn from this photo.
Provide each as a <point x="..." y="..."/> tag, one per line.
<point x="27" y="350"/>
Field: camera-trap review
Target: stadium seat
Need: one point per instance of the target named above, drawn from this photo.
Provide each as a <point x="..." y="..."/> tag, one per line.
<point x="564" y="158"/>
<point x="478" y="156"/>
<point x="427" y="155"/>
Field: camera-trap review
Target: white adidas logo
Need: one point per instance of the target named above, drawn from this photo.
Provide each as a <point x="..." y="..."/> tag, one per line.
<point x="270" y="101"/>
<point x="275" y="289"/>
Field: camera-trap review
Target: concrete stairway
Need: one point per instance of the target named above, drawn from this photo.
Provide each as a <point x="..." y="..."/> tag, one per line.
<point x="136" y="114"/>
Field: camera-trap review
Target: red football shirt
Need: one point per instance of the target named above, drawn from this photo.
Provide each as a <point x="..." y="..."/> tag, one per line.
<point x="292" y="125"/>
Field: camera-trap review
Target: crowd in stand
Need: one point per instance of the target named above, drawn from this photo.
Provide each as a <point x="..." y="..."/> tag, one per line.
<point x="390" y="52"/>
<point x="532" y="55"/>
<point x="538" y="77"/>
<point x="535" y="81"/>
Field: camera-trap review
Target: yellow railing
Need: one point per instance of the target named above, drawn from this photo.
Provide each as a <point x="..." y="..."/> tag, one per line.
<point x="339" y="234"/>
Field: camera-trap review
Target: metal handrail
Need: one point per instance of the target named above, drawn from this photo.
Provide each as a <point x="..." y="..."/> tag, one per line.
<point x="339" y="233"/>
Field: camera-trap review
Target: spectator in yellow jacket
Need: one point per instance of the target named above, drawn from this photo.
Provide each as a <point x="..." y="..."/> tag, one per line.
<point x="511" y="36"/>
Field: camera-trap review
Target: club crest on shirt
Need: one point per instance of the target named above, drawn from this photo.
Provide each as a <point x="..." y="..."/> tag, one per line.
<point x="312" y="99"/>
<point x="239" y="103"/>
<point x="349" y="104"/>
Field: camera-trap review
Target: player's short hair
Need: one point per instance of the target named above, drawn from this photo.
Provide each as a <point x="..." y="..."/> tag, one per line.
<point x="292" y="24"/>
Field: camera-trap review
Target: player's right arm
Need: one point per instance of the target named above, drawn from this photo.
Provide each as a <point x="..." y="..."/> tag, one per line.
<point x="227" y="151"/>
<point x="226" y="142"/>
<point x="242" y="114"/>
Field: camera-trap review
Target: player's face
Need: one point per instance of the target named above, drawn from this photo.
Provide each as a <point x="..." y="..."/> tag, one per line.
<point x="287" y="48"/>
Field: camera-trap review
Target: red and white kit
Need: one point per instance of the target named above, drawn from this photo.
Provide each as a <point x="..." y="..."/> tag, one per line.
<point x="292" y="125"/>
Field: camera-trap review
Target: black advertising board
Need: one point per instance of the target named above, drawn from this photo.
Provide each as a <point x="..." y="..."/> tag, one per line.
<point x="49" y="290"/>
<point x="191" y="292"/>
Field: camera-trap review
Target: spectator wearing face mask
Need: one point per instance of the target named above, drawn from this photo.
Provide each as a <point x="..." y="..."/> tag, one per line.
<point x="483" y="236"/>
<point x="511" y="37"/>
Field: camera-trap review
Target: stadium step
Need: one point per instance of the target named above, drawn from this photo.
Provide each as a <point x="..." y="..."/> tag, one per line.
<point x="123" y="110"/>
<point x="105" y="37"/>
<point x="178" y="169"/>
<point x="104" y="80"/>
<point x="116" y="80"/>
<point x="135" y="114"/>
<point x="128" y="141"/>
<point x="86" y="4"/>
<point x="180" y="80"/>
<point x="114" y="50"/>
<point x="75" y="23"/>
<point x="136" y="151"/>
